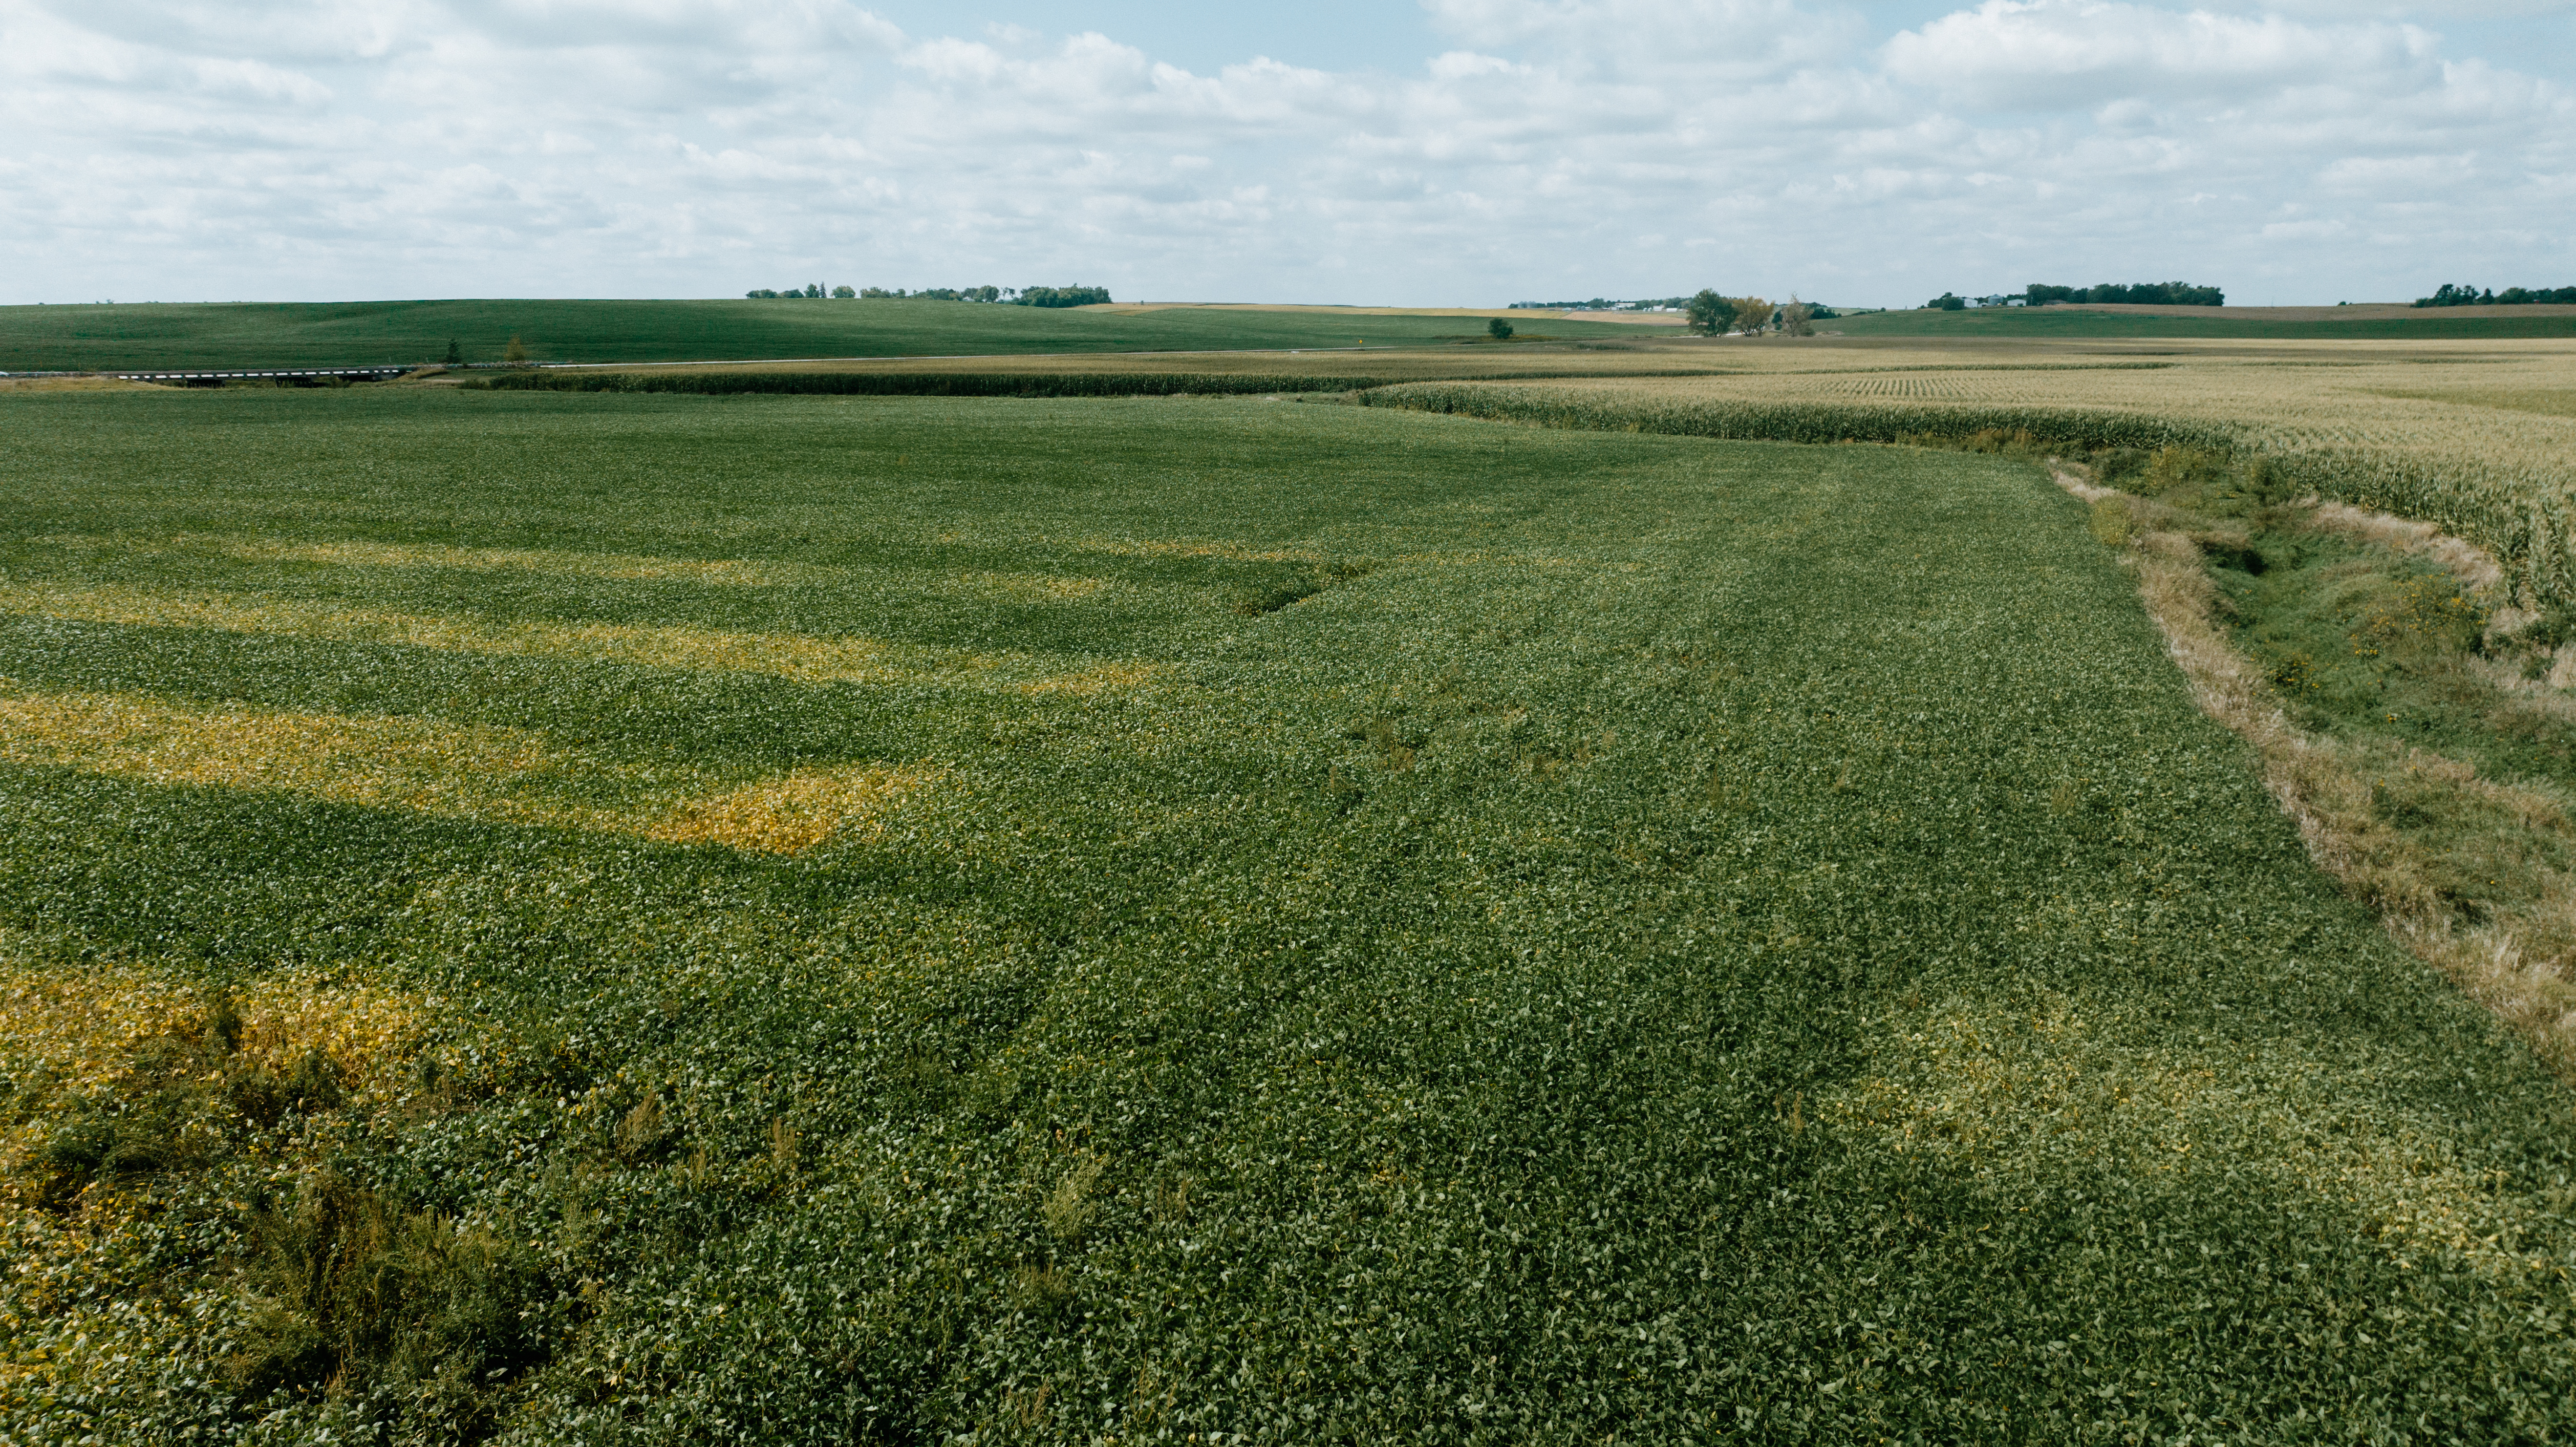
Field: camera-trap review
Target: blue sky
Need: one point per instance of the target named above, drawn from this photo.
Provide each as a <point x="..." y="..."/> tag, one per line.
<point x="1345" y="34"/>
<point x="1445" y="152"/>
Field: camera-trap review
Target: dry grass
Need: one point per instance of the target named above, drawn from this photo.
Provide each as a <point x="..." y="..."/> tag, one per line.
<point x="2518" y="962"/>
<point x="2463" y="560"/>
<point x="803" y="657"/>
<point x="76" y="384"/>
<point x="433" y="767"/>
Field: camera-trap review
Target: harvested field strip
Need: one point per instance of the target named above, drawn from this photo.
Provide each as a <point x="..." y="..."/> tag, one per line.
<point x="802" y="658"/>
<point x="434" y="767"/>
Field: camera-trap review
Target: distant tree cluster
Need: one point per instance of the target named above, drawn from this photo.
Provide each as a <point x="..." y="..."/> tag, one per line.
<point x="1002" y="295"/>
<point x="1063" y="296"/>
<point x="2451" y="295"/>
<point x="2143" y="293"/>
<point x="1713" y="315"/>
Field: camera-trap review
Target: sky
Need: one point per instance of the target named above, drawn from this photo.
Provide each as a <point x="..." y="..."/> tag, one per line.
<point x="1403" y="152"/>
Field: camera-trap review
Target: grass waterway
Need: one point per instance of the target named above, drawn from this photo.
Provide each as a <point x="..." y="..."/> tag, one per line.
<point x="1518" y="935"/>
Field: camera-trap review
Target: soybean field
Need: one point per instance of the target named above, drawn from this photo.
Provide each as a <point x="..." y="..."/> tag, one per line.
<point x="229" y="335"/>
<point x="547" y="917"/>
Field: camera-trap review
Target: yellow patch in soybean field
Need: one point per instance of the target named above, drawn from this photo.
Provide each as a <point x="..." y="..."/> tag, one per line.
<point x="435" y="767"/>
<point x="1205" y="548"/>
<point x="82" y="1027"/>
<point x="806" y="658"/>
<point x="615" y="567"/>
<point x="736" y="573"/>
<point x="790" y="813"/>
<point x="2009" y="1095"/>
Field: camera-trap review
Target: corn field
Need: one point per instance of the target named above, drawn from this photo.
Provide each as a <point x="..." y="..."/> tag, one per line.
<point x="2478" y="440"/>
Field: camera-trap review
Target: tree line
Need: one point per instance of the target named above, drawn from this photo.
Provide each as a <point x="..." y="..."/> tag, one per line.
<point x="2140" y="293"/>
<point x="2451" y="295"/>
<point x="1713" y="315"/>
<point x="1054" y="296"/>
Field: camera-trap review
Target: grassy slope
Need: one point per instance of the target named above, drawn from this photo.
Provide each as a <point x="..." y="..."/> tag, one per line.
<point x="2068" y="322"/>
<point x="245" y="334"/>
<point x="1703" y="937"/>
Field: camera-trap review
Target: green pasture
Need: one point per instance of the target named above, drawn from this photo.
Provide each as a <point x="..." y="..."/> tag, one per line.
<point x="1517" y="936"/>
<point x="364" y="334"/>
<point x="2070" y="323"/>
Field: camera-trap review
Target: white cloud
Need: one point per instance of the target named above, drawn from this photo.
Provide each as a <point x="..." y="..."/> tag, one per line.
<point x="704" y="146"/>
<point x="2073" y="54"/>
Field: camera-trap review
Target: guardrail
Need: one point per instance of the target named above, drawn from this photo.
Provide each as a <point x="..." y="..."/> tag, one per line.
<point x="388" y="370"/>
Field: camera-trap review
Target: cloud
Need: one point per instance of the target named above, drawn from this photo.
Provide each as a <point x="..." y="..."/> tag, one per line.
<point x="704" y="146"/>
<point x="2072" y="54"/>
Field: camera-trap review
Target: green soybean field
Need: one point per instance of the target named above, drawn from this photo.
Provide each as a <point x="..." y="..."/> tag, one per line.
<point x="232" y="335"/>
<point x="545" y="917"/>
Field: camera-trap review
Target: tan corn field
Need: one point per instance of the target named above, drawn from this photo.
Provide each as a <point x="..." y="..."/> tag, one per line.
<point x="2479" y="439"/>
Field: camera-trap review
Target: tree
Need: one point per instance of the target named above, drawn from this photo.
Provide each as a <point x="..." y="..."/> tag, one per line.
<point x="455" y="358"/>
<point x="1060" y="296"/>
<point x="1947" y="303"/>
<point x="1709" y="314"/>
<point x="2140" y="293"/>
<point x="1796" y="316"/>
<point x="517" y="356"/>
<point x="1498" y="329"/>
<point x="1752" y="314"/>
<point x="843" y="293"/>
